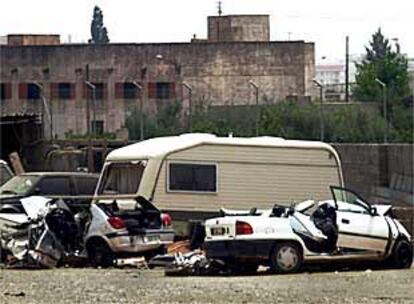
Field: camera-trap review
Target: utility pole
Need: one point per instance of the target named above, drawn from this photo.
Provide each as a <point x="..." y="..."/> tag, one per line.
<point x="384" y="107"/>
<point x="321" y="113"/>
<point x="190" y="105"/>
<point x="46" y="106"/>
<point x="141" y="110"/>
<point x="88" y="110"/>
<point x="91" y="167"/>
<point x="256" y="92"/>
<point x="93" y="88"/>
<point x="347" y="69"/>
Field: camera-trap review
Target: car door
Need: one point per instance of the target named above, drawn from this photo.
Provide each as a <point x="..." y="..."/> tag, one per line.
<point x="359" y="226"/>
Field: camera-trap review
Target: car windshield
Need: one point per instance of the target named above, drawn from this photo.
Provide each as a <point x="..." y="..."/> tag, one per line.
<point x="19" y="185"/>
<point x="122" y="178"/>
<point x="5" y="174"/>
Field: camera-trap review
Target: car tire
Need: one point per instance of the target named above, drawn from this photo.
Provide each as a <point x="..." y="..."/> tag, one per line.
<point x="286" y="258"/>
<point x="100" y="255"/>
<point x="402" y="255"/>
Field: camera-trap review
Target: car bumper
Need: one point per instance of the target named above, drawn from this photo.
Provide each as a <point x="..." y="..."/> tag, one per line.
<point x="139" y="243"/>
<point x="238" y="249"/>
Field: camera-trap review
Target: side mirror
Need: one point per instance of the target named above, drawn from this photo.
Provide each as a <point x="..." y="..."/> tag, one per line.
<point x="373" y="211"/>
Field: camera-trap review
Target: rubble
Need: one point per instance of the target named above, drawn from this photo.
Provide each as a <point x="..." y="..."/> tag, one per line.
<point x="188" y="263"/>
<point x="138" y="262"/>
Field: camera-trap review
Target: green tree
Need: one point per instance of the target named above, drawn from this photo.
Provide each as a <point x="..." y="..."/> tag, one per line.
<point x="388" y="66"/>
<point x="167" y="121"/>
<point x="99" y="32"/>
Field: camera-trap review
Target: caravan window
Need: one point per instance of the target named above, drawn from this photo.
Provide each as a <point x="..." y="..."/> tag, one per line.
<point x="122" y="178"/>
<point x="192" y="177"/>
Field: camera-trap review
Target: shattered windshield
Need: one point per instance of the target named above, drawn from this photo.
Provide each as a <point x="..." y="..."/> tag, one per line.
<point x="19" y="185"/>
<point x="122" y="178"/>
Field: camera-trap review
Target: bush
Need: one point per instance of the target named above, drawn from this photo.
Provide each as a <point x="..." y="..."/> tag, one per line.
<point x="344" y="123"/>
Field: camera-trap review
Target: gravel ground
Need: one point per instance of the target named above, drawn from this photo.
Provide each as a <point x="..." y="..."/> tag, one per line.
<point x="151" y="286"/>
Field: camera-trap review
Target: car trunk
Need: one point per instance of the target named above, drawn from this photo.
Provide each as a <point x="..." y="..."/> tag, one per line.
<point x="137" y="220"/>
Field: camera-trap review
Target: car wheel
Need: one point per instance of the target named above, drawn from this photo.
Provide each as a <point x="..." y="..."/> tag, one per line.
<point x="286" y="258"/>
<point x="402" y="256"/>
<point x="100" y="255"/>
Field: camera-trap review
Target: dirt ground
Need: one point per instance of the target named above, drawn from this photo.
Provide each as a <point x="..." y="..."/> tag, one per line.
<point x="151" y="286"/>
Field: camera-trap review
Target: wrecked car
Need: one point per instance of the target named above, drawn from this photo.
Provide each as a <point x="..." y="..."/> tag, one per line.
<point x="126" y="227"/>
<point x="51" y="230"/>
<point x="5" y="172"/>
<point x="45" y="184"/>
<point x="41" y="236"/>
<point x="344" y="229"/>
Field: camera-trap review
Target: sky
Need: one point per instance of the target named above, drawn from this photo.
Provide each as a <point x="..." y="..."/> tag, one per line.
<point x="326" y="23"/>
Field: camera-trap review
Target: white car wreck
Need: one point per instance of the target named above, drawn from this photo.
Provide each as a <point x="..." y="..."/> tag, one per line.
<point x="51" y="231"/>
<point x="345" y="229"/>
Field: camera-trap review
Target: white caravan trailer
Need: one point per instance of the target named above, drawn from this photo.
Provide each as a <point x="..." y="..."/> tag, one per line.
<point x="200" y="173"/>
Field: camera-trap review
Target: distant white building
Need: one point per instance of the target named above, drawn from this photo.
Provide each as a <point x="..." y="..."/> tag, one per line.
<point x="411" y="72"/>
<point x="332" y="76"/>
<point x="3" y="40"/>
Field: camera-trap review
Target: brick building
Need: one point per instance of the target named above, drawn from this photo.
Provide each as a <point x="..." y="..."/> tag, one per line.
<point x="218" y="69"/>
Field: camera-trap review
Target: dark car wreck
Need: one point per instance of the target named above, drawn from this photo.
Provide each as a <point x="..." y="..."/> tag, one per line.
<point x="52" y="232"/>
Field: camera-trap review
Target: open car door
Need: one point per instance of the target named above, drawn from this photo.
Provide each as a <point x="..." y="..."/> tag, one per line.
<point x="359" y="225"/>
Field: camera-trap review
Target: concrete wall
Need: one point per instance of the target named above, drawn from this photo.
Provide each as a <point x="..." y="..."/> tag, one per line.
<point x="219" y="74"/>
<point x="238" y="28"/>
<point x="33" y="40"/>
<point x="373" y="169"/>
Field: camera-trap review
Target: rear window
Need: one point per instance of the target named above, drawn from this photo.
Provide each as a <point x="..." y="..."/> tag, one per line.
<point x="122" y="178"/>
<point x="192" y="177"/>
<point x="86" y="185"/>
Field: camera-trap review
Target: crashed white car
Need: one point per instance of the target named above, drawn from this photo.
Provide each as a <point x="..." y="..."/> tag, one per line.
<point x="345" y="229"/>
<point x="51" y="229"/>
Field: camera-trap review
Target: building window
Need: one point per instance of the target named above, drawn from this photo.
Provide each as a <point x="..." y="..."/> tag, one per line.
<point x="161" y="90"/>
<point x="64" y="90"/>
<point x="126" y="90"/>
<point x="97" y="127"/>
<point x="192" y="177"/>
<point x="100" y="91"/>
<point x="130" y="91"/>
<point x="29" y="91"/>
<point x="5" y="91"/>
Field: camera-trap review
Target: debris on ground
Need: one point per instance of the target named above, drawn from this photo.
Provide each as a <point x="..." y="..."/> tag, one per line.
<point x="138" y="262"/>
<point x="190" y="263"/>
<point x="180" y="246"/>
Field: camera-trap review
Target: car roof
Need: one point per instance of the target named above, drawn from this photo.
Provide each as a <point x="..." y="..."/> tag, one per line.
<point x="75" y="174"/>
